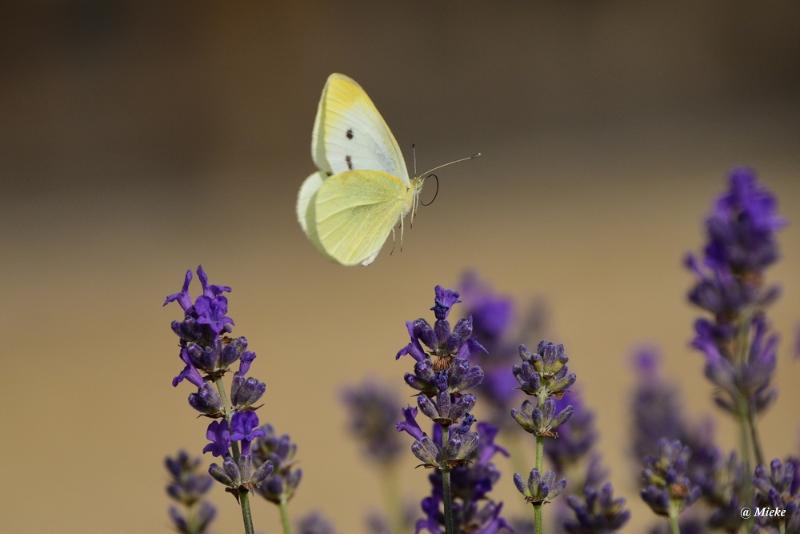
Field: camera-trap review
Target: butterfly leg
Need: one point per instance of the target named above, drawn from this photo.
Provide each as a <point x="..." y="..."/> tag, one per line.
<point x="394" y="241"/>
<point x="402" y="227"/>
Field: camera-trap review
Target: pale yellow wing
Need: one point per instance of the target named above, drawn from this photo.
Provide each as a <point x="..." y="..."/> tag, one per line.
<point x="306" y="208"/>
<point x="350" y="133"/>
<point x="356" y="211"/>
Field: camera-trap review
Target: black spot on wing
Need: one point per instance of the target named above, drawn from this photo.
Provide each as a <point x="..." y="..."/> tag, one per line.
<point x="349" y="161"/>
<point x="349" y="133"/>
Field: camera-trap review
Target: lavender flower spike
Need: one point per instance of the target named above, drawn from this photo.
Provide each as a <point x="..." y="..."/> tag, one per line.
<point x="666" y="487"/>
<point x="779" y="489"/>
<point x="279" y="451"/>
<point x="208" y="352"/>
<point x="544" y="376"/>
<point x="735" y="340"/>
<point x="373" y="411"/>
<point x="460" y="457"/>
<point x="187" y="487"/>
<point x="315" y="523"/>
<point x="596" y="511"/>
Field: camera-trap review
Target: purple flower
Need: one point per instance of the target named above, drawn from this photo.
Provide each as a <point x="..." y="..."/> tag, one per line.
<point x="779" y="488"/>
<point x="741" y="245"/>
<point x="541" y="421"/>
<point x="443" y="376"/>
<point x="187" y="487"/>
<point x="206" y="401"/>
<point x="665" y="480"/>
<point x="546" y="368"/>
<point x="245" y="361"/>
<point x="244" y="428"/>
<point x="189" y="372"/>
<point x="373" y="411"/>
<point x="545" y="377"/>
<point x="219" y="435"/>
<point x="212" y="312"/>
<point x="182" y="297"/>
<point x="205" y="321"/>
<point x="279" y="451"/>
<point x="658" y="414"/>
<point x="597" y="510"/>
<point x="315" y="523"/>
<point x="246" y="391"/>
<point x="723" y="490"/>
<point x="742" y="227"/>
<point x="409" y="424"/>
<point x="208" y="351"/>
<point x="492" y="315"/>
<point x="443" y="343"/>
<point x="445" y="299"/>
<point x="210" y="290"/>
<point x="750" y="378"/>
<point x="540" y="488"/>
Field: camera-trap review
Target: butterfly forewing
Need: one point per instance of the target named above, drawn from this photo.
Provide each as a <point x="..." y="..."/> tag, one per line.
<point x="349" y="132"/>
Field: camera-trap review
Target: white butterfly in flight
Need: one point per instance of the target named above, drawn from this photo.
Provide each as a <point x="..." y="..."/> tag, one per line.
<point x="361" y="190"/>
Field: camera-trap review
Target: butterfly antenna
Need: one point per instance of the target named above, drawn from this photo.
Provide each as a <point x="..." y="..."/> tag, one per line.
<point x="443" y="165"/>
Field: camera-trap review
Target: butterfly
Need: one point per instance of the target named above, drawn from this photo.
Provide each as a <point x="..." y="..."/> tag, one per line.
<point x="361" y="190"/>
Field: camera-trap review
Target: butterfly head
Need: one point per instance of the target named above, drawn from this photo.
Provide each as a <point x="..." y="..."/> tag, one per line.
<point x="418" y="182"/>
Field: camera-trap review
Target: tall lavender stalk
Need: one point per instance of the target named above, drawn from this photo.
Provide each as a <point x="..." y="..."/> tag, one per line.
<point x="736" y="341"/>
<point x="207" y="352"/>
<point x="545" y="376"/>
<point x="460" y="457"/>
<point x="739" y="349"/>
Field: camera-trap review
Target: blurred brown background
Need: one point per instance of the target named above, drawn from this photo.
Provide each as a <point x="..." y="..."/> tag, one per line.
<point x="142" y="138"/>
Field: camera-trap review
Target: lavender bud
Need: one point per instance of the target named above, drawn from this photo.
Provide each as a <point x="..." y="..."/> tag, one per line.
<point x="206" y="400"/>
<point x="220" y="475"/>
<point x="540" y="488"/>
<point x="246" y="391"/>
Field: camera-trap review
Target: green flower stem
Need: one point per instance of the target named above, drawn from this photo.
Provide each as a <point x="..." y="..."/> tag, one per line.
<point x="244" y="499"/>
<point x="746" y="432"/>
<point x="447" y="495"/>
<point x="745" y="408"/>
<point x="247" y="517"/>
<point x="287" y="525"/>
<point x="537" y="519"/>
<point x="751" y="423"/>
<point x="744" y="444"/>
<point x="674" y="525"/>
<point x="537" y="508"/>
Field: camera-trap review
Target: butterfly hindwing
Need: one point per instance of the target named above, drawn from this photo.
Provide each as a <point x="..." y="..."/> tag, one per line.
<point x="355" y="212"/>
<point x="350" y="133"/>
<point x="306" y="208"/>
